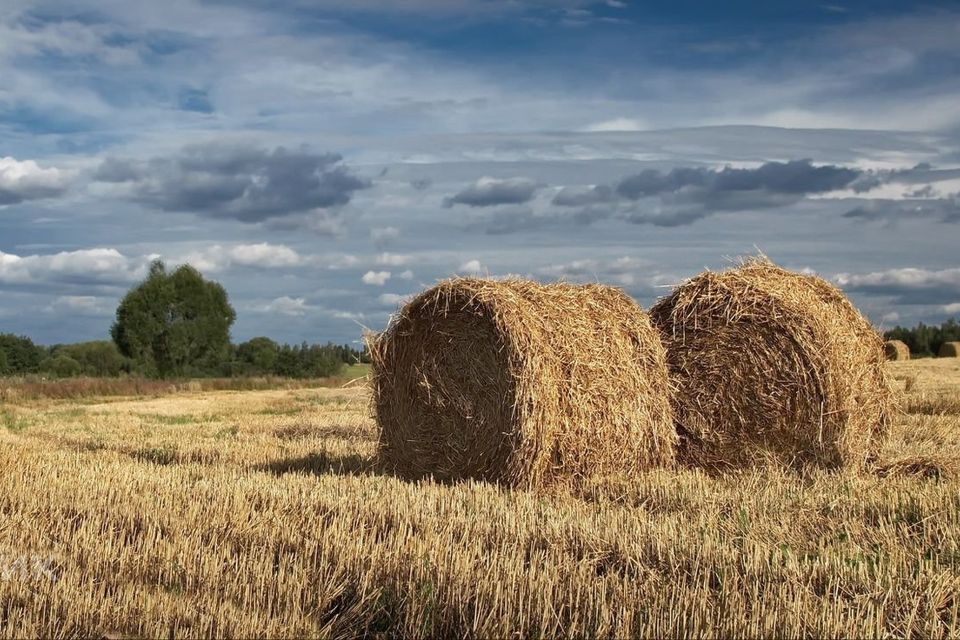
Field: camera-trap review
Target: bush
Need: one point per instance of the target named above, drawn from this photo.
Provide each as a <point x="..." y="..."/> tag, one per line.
<point x="21" y="354"/>
<point x="61" y="366"/>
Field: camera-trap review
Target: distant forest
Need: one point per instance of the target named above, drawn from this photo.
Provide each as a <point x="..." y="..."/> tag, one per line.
<point x="925" y="340"/>
<point x="174" y="325"/>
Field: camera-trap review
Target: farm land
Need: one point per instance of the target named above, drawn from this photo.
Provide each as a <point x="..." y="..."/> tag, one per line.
<point x="225" y="513"/>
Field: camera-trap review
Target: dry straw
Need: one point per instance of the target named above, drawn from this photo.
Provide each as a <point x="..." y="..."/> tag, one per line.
<point x="772" y="364"/>
<point x="896" y="350"/>
<point x="949" y="350"/>
<point x="521" y="383"/>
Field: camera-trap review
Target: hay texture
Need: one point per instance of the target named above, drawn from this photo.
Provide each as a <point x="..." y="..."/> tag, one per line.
<point x="521" y="383"/>
<point x="949" y="350"/>
<point x="771" y="365"/>
<point x="896" y="350"/>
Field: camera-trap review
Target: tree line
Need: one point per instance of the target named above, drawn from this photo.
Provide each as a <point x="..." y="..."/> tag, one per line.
<point x="174" y="324"/>
<point x="925" y="340"/>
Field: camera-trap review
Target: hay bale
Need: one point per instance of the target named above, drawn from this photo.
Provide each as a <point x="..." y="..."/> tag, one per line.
<point x="949" y="350"/>
<point x="771" y="364"/>
<point x="521" y="383"/>
<point x="896" y="350"/>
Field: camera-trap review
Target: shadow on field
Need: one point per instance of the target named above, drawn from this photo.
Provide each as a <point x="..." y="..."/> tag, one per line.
<point x="322" y="463"/>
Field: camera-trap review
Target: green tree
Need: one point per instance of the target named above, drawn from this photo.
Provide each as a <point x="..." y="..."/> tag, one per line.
<point x="174" y="324"/>
<point x="258" y="356"/>
<point x="21" y="354"/>
<point x="100" y="358"/>
<point x="61" y="366"/>
<point x="3" y="362"/>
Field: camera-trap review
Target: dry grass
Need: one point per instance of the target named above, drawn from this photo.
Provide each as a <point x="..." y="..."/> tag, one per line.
<point x="258" y="514"/>
<point x="523" y="383"/>
<point x="13" y="389"/>
<point x="772" y="365"/>
<point x="896" y="350"/>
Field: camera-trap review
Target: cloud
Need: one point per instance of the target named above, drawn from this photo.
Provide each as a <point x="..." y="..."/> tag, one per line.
<point x="382" y="236"/>
<point x="953" y="307"/>
<point x="684" y="195"/>
<point x="376" y="278"/>
<point x="392" y="299"/>
<point x="263" y="255"/>
<point x="906" y="285"/>
<point x="941" y="209"/>
<point x="22" y="180"/>
<point x="472" y="267"/>
<point x="392" y="260"/>
<point x="405" y="275"/>
<point x="87" y="266"/>
<point x="286" y="306"/>
<point x="244" y="183"/>
<point x="795" y="178"/>
<point x="618" y="124"/>
<point x="626" y="271"/>
<point x="489" y="192"/>
<point x="84" y="305"/>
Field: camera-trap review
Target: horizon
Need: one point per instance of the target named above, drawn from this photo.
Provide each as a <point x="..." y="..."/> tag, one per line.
<point x="325" y="160"/>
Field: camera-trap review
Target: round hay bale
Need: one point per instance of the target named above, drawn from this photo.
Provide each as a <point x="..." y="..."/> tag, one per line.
<point x="521" y="383"/>
<point x="896" y="350"/>
<point x="949" y="350"/>
<point x="771" y="364"/>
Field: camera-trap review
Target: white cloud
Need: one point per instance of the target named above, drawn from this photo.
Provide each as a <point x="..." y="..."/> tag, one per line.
<point x="892" y="316"/>
<point x="618" y="124"/>
<point x="376" y="278"/>
<point x="83" y="305"/>
<point x="392" y="260"/>
<point x="382" y="236"/>
<point x="953" y="307"/>
<point x="405" y="275"/>
<point x="286" y="306"/>
<point x="26" y="180"/>
<point x="85" y="266"/>
<point x="263" y="255"/>
<point x="908" y="278"/>
<point x="472" y="267"/>
<point x="392" y="299"/>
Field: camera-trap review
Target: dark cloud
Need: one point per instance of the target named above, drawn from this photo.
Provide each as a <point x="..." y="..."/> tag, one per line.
<point x="195" y="100"/>
<point x="795" y="178"/>
<point x="421" y="184"/>
<point x="489" y="192"/>
<point x="942" y="209"/>
<point x="244" y="183"/>
<point x="571" y="197"/>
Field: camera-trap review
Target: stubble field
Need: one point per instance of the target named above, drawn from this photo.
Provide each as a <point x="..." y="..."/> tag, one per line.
<point x="261" y="513"/>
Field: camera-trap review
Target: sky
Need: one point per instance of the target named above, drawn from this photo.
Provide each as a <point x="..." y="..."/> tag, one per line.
<point x="326" y="159"/>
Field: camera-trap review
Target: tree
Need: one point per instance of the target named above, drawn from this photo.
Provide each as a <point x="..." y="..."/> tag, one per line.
<point x="258" y="355"/>
<point x="174" y="324"/>
<point x="3" y="362"/>
<point x="100" y="358"/>
<point x="61" y="366"/>
<point x="21" y="354"/>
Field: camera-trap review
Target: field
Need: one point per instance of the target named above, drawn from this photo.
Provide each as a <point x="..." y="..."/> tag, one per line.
<point x="260" y="513"/>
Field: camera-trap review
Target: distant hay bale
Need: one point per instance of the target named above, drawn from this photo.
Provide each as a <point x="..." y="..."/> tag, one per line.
<point x="521" y="383"/>
<point x="896" y="350"/>
<point x="771" y="364"/>
<point x="949" y="350"/>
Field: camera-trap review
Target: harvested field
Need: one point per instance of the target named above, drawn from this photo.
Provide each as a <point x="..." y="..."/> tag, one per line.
<point x="260" y="513"/>
<point x="522" y="383"/>
<point x="772" y="365"/>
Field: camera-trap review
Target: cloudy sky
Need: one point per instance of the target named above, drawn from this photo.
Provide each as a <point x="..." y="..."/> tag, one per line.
<point x="325" y="158"/>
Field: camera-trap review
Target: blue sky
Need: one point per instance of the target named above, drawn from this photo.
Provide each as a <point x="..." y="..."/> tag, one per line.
<point x="324" y="159"/>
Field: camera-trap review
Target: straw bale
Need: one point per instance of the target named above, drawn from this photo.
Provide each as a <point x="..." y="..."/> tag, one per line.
<point x="521" y="383"/>
<point x="769" y="364"/>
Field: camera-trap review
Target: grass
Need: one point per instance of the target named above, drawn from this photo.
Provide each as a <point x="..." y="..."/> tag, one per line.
<point x="251" y="522"/>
